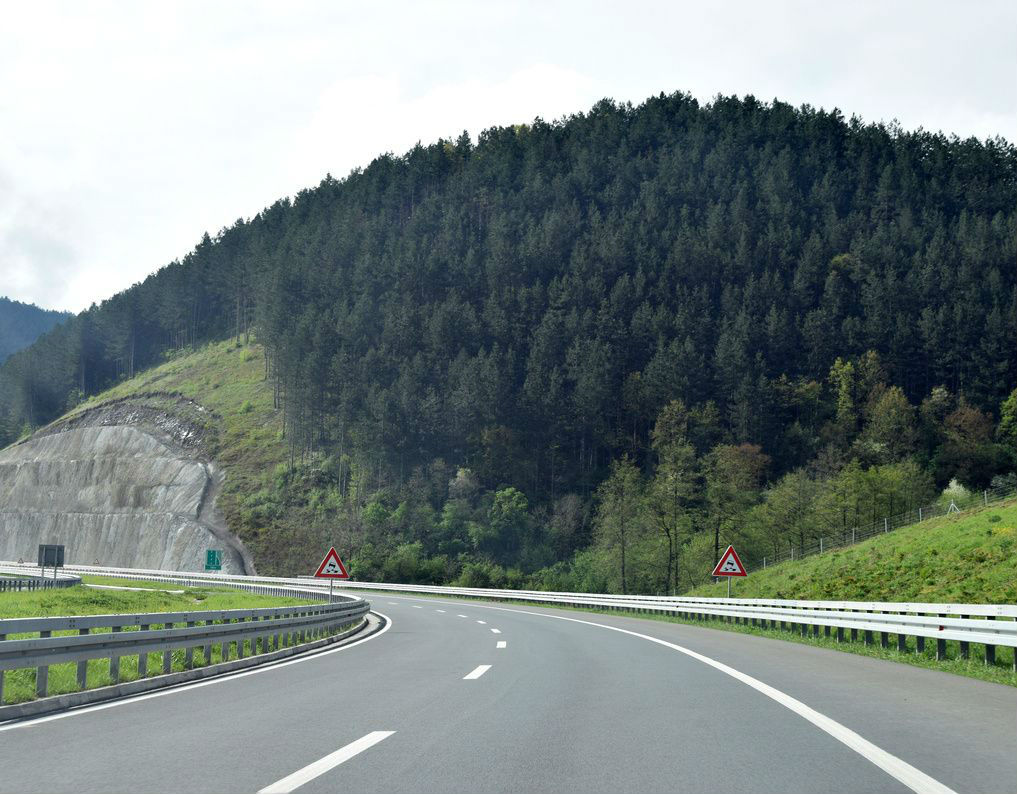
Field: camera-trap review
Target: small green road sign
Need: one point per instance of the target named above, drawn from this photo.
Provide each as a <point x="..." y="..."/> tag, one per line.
<point x="213" y="560"/>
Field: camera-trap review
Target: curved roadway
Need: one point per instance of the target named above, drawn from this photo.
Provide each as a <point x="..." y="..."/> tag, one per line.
<point x="568" y="704"/>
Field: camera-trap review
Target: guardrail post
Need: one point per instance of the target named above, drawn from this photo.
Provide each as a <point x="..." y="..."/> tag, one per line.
<point x="902" y="642"/>
<point x="965" y="647"/>
<point x="189" y="652"/>
<point x="114" y="664"/>
<point x="919" y="644"/>
<point x="167" y="656"/>
<point x="868" y="637"/>
<point x="83" y="666"/>
<point x="840" y="634"/>
<point x="990" y="650"/>
<point x="42" y="672"/>
<point x="207" y="651"/>
<point x="143" y="657"/>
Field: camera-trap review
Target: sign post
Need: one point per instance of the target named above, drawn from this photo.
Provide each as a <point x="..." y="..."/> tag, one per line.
<point x="333" y="569"/>
<point x="729" y="565"/>
<point x="51" y="555"/>
<point x="213" y="560"/>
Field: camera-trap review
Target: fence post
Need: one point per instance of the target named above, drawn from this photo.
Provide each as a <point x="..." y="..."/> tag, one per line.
<point x="985" y="495"/>
<point x="764" y="563"/>
<point x="919" y="514"/>
<point x="820" y="546"/>
<point x="886" y="525"/>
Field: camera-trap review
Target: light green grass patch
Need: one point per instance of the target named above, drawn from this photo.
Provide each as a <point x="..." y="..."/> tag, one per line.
<point x="968" y="558"/>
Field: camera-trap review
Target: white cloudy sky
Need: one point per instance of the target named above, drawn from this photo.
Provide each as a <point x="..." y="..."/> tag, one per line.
<point x="128" y="129"/>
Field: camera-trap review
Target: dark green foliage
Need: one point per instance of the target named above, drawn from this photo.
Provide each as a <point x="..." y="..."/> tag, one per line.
<point x="22" y="324"/>
<point x="526" y="307"/>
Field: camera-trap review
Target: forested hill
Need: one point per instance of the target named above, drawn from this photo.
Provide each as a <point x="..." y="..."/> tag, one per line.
<point x="21" y="324"/>
<point x="781" y="281"/>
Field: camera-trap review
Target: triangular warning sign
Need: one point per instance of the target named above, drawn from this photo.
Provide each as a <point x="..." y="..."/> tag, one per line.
<point x="332" y="567"/>
<point x="730" y="565"/>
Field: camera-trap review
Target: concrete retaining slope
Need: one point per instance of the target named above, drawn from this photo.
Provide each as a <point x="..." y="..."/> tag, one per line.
<point x="116" y="494"/>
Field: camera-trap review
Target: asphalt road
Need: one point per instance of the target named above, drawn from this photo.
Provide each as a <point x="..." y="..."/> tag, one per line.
<point x="568" y="704"/>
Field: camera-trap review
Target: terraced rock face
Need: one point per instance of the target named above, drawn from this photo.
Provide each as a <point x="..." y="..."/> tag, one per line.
<point x="117" y="494"/>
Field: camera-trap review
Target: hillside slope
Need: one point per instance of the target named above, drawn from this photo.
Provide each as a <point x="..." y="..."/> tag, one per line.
<point x="969" y="557"/>
<point x="241" y="432"/>
<point x="21" y="324"/>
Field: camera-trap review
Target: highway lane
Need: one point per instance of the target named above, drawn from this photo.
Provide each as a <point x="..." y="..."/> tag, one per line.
<point x="564" y="706"/>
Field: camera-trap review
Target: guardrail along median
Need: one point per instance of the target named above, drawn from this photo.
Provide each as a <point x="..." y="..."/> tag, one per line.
<point x="912" y="624"/>
<point x="233" y="633"/>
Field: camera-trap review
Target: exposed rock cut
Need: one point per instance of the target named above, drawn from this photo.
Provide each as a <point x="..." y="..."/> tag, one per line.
<point x="134" y="493"/>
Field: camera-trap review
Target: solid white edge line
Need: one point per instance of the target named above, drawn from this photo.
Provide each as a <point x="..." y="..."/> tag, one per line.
<point x="908" y="775"/>
<point x="495" y="631"/>
<point x="501" y="644"/>
<point x="478" y="672"/>
<point x="204" y="683"/>
<point x="326" y="763"/>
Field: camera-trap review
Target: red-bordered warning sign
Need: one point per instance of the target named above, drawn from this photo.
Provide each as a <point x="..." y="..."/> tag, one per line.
<point x="331" y="567"/>
<point x="730" y="565"/>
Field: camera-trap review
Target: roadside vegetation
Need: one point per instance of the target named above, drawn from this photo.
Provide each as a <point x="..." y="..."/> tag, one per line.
<point x="635" y="334"/>
<point x="79" y="600"/>
<point x="969" y="557"/>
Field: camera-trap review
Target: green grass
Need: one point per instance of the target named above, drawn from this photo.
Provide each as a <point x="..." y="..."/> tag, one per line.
<point x="81" y="601"/>
<point x="19" y="685"/>
<point x="969" y="558"/>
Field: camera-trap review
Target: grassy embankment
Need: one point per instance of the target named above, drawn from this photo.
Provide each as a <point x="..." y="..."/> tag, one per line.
<point x="244" y="434"/>
<point x="966" y="558"/>
<point x="969" y="558"/>
<point x="78" y="600"/>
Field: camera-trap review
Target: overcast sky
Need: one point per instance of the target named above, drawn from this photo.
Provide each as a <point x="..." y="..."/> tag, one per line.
<point x="129" y="129"/>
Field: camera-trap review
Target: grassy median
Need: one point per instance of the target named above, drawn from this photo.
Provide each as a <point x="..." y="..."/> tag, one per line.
<point x="153" y="597"/>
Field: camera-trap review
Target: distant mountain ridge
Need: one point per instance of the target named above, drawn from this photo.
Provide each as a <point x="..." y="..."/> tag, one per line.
<point x="22" y="324"/>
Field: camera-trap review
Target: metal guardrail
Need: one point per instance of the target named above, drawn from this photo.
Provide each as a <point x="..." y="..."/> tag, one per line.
<point x="238" y="633"/>
<point x="989" y="625"/>
<point x="28" y="582"/>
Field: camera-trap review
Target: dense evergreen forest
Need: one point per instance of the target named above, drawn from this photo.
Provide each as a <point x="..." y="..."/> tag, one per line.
<point x="626" y="337"/>
<point x="22" y="324"/>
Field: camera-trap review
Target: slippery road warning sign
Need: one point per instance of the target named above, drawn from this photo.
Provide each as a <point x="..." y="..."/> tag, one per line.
<point x="730" y="565"/>
<point x="331" y="567"/>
